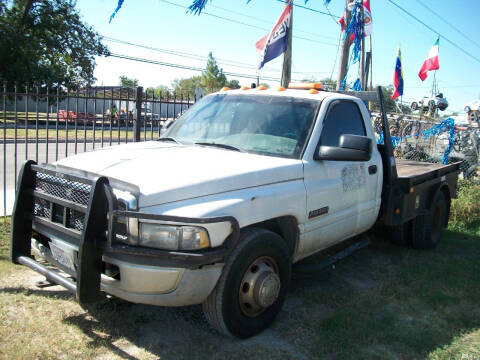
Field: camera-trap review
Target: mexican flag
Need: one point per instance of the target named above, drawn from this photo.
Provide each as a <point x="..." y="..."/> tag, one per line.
<point x="431" y="62"/>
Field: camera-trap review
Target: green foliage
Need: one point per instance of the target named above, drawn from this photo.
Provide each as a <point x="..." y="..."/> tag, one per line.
<point x="233" y="84"/>
<point x="46" y="42"/>
<point x="160" y="91"/>
<point x="187" y="86"/>
<point x="128" y="82"/>
<point x="465" y="210"/>
<point x="213" y="78"/>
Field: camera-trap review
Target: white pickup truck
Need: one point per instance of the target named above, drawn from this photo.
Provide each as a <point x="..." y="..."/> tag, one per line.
<point x="243" y="185"/>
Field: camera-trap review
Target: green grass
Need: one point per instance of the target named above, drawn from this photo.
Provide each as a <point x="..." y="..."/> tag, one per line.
<point x="382" y="302"/>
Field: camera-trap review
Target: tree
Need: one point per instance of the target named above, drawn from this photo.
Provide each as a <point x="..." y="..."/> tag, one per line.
<point x="233" y="84"/>
<point x="128" y="82"/>
<point x="213" y="78"/>
<point x="46" y="42"/>
<point x="187" y="86"/>
<point x="160" y="91"/>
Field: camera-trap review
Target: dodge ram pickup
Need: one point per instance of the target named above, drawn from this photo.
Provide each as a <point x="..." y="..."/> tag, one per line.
<point x="216" y="211"/>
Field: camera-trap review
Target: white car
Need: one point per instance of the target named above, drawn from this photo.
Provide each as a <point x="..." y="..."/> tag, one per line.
<point x="425" y="103"/>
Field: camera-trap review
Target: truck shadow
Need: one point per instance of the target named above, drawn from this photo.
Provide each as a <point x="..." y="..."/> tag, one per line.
<point x="380" y="302"/>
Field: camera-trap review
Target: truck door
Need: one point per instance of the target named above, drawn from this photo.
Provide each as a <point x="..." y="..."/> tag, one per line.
<point x="342" y="196"/>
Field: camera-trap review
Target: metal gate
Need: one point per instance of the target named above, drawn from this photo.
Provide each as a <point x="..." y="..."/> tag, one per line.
<point x="46" y="124"/>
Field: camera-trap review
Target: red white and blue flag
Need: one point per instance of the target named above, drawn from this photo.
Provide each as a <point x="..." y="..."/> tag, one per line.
<point x="398" y="77"/>
<point x="275" y="43"/>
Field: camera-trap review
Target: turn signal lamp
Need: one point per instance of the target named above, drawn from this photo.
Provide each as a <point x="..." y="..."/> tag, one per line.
<point x="281" y="88"/>
<point x="306" y="86"/>
<point x="262" y="87"/>
<point x="226" y="88"/>
<point x="313" y="91"/>
<point x="244" y="88"/>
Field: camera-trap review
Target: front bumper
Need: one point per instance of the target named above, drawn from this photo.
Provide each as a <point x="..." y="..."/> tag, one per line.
<point x="149" y="275"/>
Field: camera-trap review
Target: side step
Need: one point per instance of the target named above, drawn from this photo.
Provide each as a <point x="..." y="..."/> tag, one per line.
<point x="334" y="258"/>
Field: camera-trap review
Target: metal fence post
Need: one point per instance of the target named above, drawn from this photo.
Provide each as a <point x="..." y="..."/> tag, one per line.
<point x="138" y="114"/>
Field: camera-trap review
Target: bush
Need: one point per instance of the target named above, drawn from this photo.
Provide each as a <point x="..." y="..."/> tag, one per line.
<point x="465" y="210"/>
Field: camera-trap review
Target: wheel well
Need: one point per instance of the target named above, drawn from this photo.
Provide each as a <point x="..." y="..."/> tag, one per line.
<point x="284" y="226"/>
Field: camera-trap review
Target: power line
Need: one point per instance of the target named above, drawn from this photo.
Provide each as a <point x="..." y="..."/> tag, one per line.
<point x="246" y="24"/>
<point x="269" y="22"/>
<point x="182" y="54"/>
<point x="448" y="23"/>
<point x="309" y="9"/>
<point x="192" y="68"/>
<point x="434" y="31"/>
<point x="199" y="57"/>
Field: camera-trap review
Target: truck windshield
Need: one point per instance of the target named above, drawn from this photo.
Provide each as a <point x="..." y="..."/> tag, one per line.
<point x="261" y="124"/>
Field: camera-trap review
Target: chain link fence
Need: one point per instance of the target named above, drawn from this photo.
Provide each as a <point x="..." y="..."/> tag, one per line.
<point x="427" y="140"/>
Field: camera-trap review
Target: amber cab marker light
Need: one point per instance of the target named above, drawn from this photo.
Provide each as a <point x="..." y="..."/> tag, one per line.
<point x="226" y="88"/>
<point x="262" y="87"/>
<point x="397" y="211"/>
<point x="313" y="91"/>
<point x="305" y="86"/>
<point x="244" y="88"/>
<point x="281" y="88"/>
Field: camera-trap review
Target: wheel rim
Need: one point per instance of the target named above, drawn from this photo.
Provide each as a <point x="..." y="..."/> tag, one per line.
<point x="260" y="286"/>
<point x="437" y="221"/>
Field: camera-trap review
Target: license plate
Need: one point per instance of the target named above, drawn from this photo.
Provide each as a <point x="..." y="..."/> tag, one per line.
<point x="63" y="257"/>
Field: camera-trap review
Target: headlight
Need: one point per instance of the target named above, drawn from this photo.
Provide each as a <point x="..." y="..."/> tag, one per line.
<point x="170" y="237"/>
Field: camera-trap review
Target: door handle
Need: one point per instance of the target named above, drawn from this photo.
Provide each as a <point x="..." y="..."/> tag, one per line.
<point x="372" y="169"/>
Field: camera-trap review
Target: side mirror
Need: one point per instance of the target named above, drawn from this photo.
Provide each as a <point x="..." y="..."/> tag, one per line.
<point x="351" y="148"/>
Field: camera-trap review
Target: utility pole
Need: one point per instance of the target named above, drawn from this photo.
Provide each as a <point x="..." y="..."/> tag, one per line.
<point x="345" y="48"/>
<point x="287" y="55"/>
<point x="363" y="80"/>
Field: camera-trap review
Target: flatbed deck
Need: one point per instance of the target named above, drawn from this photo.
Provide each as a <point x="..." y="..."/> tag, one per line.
<point x="412" y="173"/>
<point x="411" y="168"/>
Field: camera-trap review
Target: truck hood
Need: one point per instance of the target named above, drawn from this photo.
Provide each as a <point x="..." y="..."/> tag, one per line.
<point x="167" y="172"/>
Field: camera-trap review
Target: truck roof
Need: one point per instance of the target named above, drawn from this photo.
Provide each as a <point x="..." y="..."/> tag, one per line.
<point x="304" y="94"/>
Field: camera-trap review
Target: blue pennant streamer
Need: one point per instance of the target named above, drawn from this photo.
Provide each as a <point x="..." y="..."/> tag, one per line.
<point x="445" y="125"/>
<point x="357" y="86"/>
<point x="355" y="28"/>
<point x="119" y="5"/>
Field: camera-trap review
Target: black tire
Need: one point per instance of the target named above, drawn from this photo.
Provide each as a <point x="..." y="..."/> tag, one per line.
<point x="427" y="229"/>
<point x="400" y="235"/>
<point x="222" y="307"/>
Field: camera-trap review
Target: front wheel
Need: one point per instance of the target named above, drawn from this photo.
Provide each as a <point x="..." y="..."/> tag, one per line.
<point x="253" y="285"/>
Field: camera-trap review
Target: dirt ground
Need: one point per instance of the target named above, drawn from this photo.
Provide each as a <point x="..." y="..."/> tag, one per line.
<point x="365" y="306"/>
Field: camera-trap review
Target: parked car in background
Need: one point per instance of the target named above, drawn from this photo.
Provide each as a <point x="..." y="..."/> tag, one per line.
<point x="433" y="102"/>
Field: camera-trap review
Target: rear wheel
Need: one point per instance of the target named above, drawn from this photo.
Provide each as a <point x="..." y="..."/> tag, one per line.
<point x="253" y="285"/>
<point x="401" y="234"/>
<point x="427" y="228"/>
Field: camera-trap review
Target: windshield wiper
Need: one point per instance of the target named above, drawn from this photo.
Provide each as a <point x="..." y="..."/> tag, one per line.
<point x="223" y="146"/>
<point x="168" y="139"/>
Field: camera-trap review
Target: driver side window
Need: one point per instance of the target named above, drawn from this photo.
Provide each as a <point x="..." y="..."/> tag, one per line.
<point x="343" y="117"/>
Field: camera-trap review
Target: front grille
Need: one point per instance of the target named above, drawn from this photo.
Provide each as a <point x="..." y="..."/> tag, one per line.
<point x="66" y="189"/>
<point x="75" y="220"/>
<point x="69" y="190"/>
<point x="42" y="208"/>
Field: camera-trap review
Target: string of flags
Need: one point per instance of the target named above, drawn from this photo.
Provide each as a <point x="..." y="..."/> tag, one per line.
<point x="275" y="42"/>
